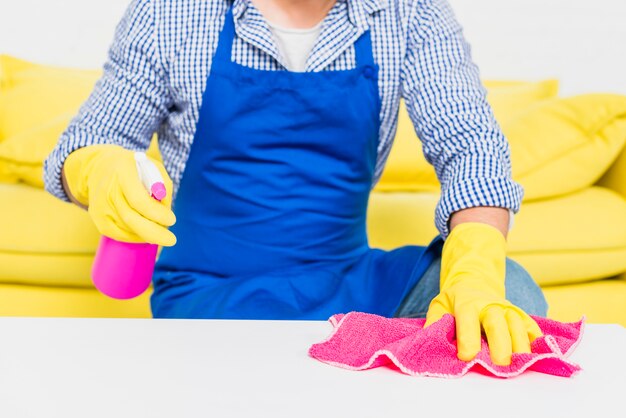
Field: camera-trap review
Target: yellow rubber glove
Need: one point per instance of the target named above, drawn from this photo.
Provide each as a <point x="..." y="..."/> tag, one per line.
<point x="473" y="267"/>
<point x="105" y="179"/>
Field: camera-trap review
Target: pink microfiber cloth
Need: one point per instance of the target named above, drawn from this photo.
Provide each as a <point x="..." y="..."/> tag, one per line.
<point x="363" y="341"/>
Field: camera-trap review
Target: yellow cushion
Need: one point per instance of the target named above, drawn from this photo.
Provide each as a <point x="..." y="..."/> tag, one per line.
<point x="563" y="145"/>
<point x="572" y="238"/>
<point x="615" y="177"/>
<point x="408" y="170"/>
<point x="602" y="301"/>
<point x="22" y="155"/>
<point x="19" y="300"/>
<point x="43" y="239"/>
<point x="509" y="98"/>
<point x="36" y="104"/>
<point x="8" y="67"/>
<point x="32" y="94"/>
<point x="401" y="218"/>
<point x="568" y="239"/>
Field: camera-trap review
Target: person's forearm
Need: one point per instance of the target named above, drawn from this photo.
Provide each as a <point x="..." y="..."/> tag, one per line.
<point x="496" y="217"/>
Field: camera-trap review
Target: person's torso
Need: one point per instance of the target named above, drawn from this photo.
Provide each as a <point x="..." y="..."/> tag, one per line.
<point x="187" y="33"/>
<point x="280" y="169"/>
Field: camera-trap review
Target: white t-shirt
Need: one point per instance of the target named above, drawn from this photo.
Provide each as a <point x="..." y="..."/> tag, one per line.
<point x="295" y="45"/>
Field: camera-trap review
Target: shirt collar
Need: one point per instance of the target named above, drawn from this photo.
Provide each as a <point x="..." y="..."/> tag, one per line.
<point x="239" y="8"/>
<point x="358" y="10"/>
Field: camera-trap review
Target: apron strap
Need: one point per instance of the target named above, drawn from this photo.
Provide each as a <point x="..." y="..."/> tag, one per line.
<point x="363" y="50"/>
<point x="227" y="36"/>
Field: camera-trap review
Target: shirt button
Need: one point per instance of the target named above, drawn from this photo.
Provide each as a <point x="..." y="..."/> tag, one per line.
<point x="368" y="72"/>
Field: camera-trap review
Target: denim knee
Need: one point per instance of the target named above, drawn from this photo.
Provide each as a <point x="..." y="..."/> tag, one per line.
<point x="523" y="291"/>
<point x="417" y="301"/>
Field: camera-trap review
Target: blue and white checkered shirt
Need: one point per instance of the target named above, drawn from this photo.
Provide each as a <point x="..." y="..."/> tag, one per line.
<point x="161" y="56"/>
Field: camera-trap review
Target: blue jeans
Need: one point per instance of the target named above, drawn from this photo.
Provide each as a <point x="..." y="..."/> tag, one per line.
<point x="521" y="290"/>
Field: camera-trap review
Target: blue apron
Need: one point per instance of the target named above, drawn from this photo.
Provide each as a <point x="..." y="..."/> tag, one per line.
<point x="271" y="209"/>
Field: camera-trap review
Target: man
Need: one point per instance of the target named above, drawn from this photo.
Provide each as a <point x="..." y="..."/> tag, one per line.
<point x="275" y="118"/>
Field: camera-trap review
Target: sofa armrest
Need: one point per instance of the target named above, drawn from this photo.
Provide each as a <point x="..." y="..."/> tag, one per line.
<point x="615" y="177"/>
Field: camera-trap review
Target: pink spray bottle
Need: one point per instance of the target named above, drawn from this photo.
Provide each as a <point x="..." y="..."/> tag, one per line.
<point x="123" y="270"/>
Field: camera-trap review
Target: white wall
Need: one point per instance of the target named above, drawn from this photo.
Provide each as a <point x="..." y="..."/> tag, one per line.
<point x="59" y="32"/>
<point x="582" y="42"/>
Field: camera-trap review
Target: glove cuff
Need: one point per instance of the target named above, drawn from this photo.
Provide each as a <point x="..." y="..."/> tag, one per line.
<point x="476" y="252"/>
<point x="79" y="165"/>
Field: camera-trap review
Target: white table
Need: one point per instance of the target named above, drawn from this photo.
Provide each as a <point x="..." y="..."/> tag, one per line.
<point x="172" y="368"/>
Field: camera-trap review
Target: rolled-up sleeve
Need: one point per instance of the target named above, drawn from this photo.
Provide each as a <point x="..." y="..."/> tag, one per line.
<point x="447" y="105"/>
<point x="127" y="104"/>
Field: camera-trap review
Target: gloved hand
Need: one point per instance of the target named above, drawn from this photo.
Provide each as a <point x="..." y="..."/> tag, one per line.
<point x="105" y="179"/>
<point x="473" y="266"/>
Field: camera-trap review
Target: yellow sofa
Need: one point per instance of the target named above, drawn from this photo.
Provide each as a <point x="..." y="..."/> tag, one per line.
<point x="569" y="154"/>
